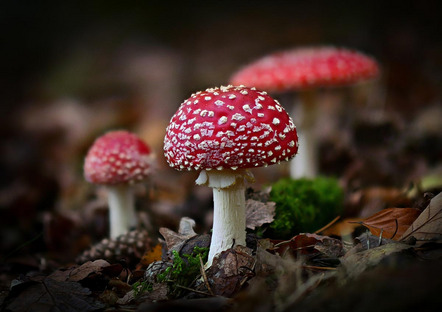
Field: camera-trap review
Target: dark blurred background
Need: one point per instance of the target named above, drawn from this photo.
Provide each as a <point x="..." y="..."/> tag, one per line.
<point x="71" y="70"/>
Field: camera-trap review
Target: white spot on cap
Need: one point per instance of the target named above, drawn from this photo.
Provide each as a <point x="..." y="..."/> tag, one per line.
<point x="238" y="117"/>
<point x="222" y="120"/>
<point x="247" y="108"/>
<point x="276" y="121"/>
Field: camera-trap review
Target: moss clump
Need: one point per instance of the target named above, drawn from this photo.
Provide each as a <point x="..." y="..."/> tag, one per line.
<point x="184" y="270"/>
<point x="304" y="205"/>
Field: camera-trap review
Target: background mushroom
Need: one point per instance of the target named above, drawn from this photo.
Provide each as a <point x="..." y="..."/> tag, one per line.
<point x="306" y="70"/>
<point x="119" y="159"/>
<point x="229" y="129"/>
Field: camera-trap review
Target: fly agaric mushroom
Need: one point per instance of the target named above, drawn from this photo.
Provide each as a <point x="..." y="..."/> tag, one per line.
<point x="119" y="159"/>
<point x="305" y="70"/>
<point x="222" y="132"/>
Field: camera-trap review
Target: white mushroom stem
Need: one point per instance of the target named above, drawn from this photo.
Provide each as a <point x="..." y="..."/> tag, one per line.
<point x="121" y="209"/>
<point x="229" y="215"/>
<point x="305" y="164"/>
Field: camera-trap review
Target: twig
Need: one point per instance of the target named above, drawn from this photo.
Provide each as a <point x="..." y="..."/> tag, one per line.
<point x="327" y="226"/>
<point x="194" y="290"/>
<point x="395" y="231"/>
<point x="283" y="242"/>
<point x="368" y="241"/>
<point x="380" y="236"/>
<point x="247" y="276"/>
<point x="203" y="273"/>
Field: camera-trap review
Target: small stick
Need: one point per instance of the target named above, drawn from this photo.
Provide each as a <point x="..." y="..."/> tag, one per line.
<point x="190" y="289"/>
<point x="247" y="277"/>
<point x="368" y="241"/>
<point x="395" y="231"/>
<point x="203" y="273"/>
<point x="380" y="237"/>
<point x="327" y="226"/>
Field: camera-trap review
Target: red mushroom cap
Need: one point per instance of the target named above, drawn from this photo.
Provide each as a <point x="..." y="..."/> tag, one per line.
<point x="229" y="127"/>
<point x="117" y="157"/>
<point x="304" y="68"/>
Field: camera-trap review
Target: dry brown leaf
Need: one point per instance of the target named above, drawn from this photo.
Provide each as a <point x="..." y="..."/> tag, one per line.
<point x="76" y="274"/>
<point x="152" y="255"/>
<point x="310" y="244"/>
<point x="229" y="270"/>
<point x="258" y="213"/>
<point x="51" y="295"/>
<point x="175" y="240"/>
<point x="392" y="222"/>
<point x="428" y="226"/>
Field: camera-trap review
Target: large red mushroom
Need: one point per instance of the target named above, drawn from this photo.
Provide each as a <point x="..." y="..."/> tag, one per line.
<point x="118" y="160"/>
<point x="222" y="132"/>
<point x="305" y="70"/>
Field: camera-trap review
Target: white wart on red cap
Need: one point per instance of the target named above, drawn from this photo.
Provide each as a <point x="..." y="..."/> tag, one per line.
<point x="117" y="157"/>
<point x="228" y="128"/>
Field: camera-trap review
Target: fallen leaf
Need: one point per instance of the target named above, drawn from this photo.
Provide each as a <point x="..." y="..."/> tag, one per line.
<point x="76" y="274"/>
<point x="229" y="270"/>
<point x="310" y="244"/>
<point x="392" y="222"/>
<point x="428" y="226"/>
<point x="175" y="240"/>
<point x="51" y="295"/>
<point x="200" y="241"/>
<point x="152" y="255"/>
<point x="259" y="213"/>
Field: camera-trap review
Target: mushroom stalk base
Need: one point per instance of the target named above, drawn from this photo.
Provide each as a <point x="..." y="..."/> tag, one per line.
<point x="229" y="216"/>
<point x="121" y="210"/>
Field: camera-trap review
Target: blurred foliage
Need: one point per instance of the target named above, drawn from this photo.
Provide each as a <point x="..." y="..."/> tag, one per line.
<point x="304" y="205"/>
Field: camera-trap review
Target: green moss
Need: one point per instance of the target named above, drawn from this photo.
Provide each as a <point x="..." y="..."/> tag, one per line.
<point x="140" y="287"/>
<point x="304" y="205"/>
<point x="184" y="270"/>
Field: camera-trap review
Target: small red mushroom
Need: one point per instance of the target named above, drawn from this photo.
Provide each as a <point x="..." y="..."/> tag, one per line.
<point x="222" y="132"/>
<point x="305" y="70"/>
<point x="119" y="159"/>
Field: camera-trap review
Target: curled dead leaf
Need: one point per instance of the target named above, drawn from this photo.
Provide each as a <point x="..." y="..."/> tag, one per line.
<point x="76" y="274"/>
<point x="428" y="226"/>
<point x="152" y="255"/>
<point x="175" y="240"/>
<point x="310" y="244"/>
<point x="259" y="213"/>
<point x="229" y="270"/>
<point x="391" y="222"/>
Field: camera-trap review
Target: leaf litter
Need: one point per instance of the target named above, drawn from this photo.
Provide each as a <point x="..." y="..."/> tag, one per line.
<point x="287" y="271"/>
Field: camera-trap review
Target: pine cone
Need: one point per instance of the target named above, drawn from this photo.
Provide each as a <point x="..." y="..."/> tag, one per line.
<point x="128" y="247"/>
